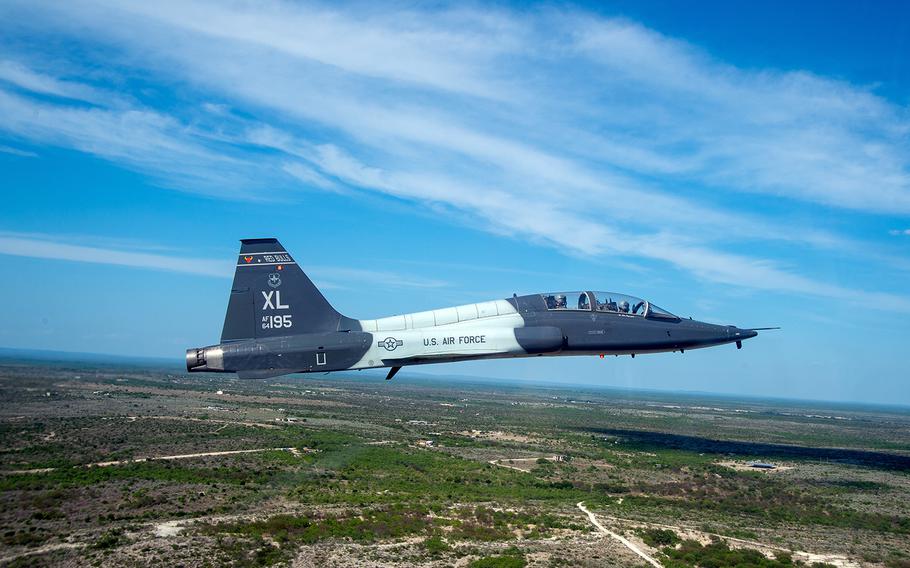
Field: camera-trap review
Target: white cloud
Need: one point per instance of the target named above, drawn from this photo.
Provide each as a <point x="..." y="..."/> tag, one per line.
<point x="353" y="277"/>
<point x="308" y="175"/>
<point x="17" y="152"/>
<point x="25" y="78"/>
<point x="149" y="141"/>
<point x="565" y="97"/>
<point x="135" y="255"/>
<point x="791" y="134"/>
<point x="32" y="247"/>
<point x="549" y="225"/>
<point x="899" y="232"/>
<point x="400" y="47"/>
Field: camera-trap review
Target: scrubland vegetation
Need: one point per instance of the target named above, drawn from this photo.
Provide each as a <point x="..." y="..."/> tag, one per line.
<point x="343" y="475"/>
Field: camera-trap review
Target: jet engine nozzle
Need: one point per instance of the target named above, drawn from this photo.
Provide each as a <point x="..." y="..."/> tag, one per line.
<point x="205" y="359"/>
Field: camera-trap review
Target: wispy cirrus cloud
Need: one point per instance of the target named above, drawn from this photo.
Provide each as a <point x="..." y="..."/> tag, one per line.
<point x="37" y="246"/>
<point x="138" y="255"/>
<point x="597" y="239"/>
<point x="659" y="104"/>
<point x="139" y="138"/>
<point x="593" y="135"/>
<point x="21" y="76"/>
<point x="792" y="134"/>
<point x="17" y="152"/>
<point x="350" y="277"/>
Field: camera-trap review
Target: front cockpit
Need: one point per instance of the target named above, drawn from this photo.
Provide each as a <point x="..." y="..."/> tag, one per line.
<point x="612" y="323"/>
<point x="605" y="302"/>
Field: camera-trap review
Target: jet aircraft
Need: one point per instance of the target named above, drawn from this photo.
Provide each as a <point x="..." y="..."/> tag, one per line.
<point x="278" y="323"/>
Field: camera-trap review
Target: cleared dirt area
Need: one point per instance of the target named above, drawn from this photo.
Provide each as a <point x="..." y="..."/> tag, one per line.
<point x="749" y="466"/>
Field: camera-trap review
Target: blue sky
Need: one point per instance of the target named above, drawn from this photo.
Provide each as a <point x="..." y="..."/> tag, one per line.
<point x="743" y="163"/>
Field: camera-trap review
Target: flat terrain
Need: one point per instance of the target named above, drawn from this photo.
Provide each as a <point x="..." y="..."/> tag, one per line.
<point x="125" y="465"/>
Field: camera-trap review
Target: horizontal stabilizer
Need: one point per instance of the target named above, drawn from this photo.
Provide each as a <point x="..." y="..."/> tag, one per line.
<point x="264" y="373"/>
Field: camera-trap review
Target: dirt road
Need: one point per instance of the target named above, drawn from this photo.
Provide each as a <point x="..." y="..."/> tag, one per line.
<point x="626" y="542"/>
<point x="297" y="452"/>
<point x="497" y="462"/>
<point x="41" y="550"/>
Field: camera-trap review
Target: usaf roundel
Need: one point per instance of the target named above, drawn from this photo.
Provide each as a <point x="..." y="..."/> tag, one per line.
<point x="274" y="280"/>
<point x="390" y="343"/>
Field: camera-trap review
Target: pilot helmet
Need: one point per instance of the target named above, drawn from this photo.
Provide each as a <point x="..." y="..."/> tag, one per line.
<point x="561" y="299"/>
<point x="624" y="306"/>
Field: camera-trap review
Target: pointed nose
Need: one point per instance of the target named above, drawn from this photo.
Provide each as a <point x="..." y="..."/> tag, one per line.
<point x="740" y="334"/>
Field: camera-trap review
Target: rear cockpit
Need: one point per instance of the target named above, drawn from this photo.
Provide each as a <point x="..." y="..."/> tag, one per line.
<point x="607" y="302"/>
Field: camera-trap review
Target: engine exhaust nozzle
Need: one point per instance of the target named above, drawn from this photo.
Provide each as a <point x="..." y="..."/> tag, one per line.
<point x="205" y="359"/>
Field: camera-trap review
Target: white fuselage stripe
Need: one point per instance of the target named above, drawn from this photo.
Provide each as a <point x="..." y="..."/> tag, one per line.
<point x="490" y="336"/>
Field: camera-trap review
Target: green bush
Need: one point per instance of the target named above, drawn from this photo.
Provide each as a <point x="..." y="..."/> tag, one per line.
<point x="658" y="537"/>
<point x="364" y="475"/>
<point x="435" y="545"/>
<point x="513" y="559"/>
<point x="110" y="539"/>
<point x="369" y="526"/>
<point x="718" y="555"/>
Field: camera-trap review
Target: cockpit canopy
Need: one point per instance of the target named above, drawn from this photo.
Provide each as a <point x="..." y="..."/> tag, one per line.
<point x="609" y="302"/>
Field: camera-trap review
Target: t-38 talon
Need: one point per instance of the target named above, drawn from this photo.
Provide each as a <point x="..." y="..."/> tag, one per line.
<point x="278" y="322"/>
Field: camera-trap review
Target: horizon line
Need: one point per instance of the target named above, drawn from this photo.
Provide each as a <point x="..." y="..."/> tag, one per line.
<point x="53" y="355"/>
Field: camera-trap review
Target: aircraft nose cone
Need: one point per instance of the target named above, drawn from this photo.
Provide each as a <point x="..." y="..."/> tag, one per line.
<point x="745" y="333"/>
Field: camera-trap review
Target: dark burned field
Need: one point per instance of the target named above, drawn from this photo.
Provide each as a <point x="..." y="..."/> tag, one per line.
<point x="112" y="466"/>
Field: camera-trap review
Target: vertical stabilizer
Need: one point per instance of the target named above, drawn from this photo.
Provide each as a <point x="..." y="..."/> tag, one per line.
<point x="271" y="296"/>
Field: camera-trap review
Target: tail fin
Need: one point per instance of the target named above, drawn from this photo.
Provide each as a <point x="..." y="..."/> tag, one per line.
<point x="271" y="296"/>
